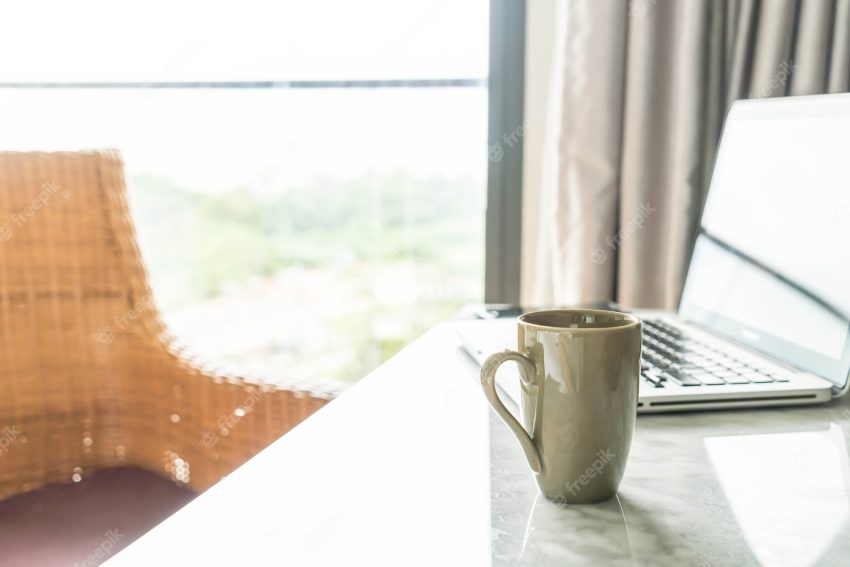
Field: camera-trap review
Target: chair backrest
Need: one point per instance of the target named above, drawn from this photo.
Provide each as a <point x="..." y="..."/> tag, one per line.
<point x="89" y="377"/>
<point x="69" y="289"/>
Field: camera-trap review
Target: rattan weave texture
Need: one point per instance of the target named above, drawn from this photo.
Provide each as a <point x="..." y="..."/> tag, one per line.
<point x="90" y="377"/>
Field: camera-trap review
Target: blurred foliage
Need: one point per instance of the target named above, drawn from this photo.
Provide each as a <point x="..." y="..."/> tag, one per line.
<point x="200" y="246"/>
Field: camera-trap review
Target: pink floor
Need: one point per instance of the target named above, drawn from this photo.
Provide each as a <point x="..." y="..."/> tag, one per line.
<point x="87" y="522"/>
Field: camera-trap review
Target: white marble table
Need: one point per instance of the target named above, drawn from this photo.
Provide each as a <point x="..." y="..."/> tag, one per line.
<point x="409" y="467"/>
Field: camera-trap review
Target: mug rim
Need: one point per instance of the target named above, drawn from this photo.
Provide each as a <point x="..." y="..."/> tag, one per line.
<point x="630" y="321"/>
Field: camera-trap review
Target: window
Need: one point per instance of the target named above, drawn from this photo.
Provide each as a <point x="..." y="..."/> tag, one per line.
<point x="307" y="179"/>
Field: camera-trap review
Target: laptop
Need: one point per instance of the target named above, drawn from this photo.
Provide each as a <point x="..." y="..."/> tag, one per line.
<point x="764" y="318"/>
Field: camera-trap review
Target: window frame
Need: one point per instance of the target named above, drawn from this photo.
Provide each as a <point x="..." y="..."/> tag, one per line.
<point x="505" y="85"/>
<point x="503" y="238"/>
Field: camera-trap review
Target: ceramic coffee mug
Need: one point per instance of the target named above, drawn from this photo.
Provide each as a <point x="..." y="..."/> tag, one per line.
<point x="579" y="371"/>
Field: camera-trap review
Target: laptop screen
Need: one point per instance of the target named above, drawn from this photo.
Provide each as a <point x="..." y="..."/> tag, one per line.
<point x="771" y="264"/>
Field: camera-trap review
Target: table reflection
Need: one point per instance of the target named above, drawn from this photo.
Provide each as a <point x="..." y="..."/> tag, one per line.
<point x="788" y="492"/>
<point x="599" y="531"/>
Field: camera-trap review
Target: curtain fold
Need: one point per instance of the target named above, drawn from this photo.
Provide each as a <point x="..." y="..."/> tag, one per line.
<point x="643" y="90"/>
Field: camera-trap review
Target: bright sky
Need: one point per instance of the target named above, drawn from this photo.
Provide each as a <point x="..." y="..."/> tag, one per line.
<point x="215" y="139"/>
<point x="168" y="40"/>
<point x="211" y="140"/>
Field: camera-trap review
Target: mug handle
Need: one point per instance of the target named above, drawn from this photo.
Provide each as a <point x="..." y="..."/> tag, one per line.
<point x="488" y="383"/>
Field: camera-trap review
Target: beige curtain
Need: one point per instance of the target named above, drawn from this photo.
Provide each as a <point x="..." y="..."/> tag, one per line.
<point x="642" y="91"/>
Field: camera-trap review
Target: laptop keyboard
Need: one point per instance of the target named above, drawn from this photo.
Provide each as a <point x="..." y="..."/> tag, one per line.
<point x="671" y="355"/>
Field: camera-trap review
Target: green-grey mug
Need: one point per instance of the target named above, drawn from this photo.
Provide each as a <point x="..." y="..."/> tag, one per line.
<point x="579" y="372"/>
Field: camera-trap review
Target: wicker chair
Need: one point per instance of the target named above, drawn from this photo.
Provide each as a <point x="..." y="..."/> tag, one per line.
<point x="90" y="378"/>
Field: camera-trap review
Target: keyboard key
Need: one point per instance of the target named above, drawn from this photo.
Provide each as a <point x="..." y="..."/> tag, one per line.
<point x="709" y="379"/>
<point x="682" y="379"/>
<point x="758" y="377"/>
<point x="653" y="379"/>
<point x="736" y="379"/>
<point x="762" y="370"/>
<point x="779" y="378"/>
<point x="725" y="374"/>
